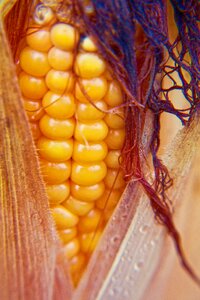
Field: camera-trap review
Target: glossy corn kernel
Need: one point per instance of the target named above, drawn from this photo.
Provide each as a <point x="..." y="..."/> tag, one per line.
<point x="64" y="36"/>
<point x="115" y="120"/>
<point x="59" y="81"/>
<point x="112" y="159"/>
<point x="88" y="45"/>
<point x="39" y="39"/>
<point x="90" y="152"/>
<point x="63" y="217"/>
<point x="114" y="95"/>
<point x="68" y="234"/>
<point x="70" y="97"/>
<point x="89" y="193"/>
<point x="78" y="207"/>
<point x="34" y="62"/>
<point x="55" y="173"/>
<point x="89" y="65"/>
<point x="86" y="112"/>
<point x="114" y="178"/>
<point x="71" y="248"/>
<point x="57" y="129"/>
<point x="88" y="241"/>
<point x="32" y="87"/>
<point x="91" y="132"/>
<point x="57" y="193"/>
<point x="55" y="151"/>
<point x="81" y="173"/>
<point x="94" y="89"/>
<point x="90" y="222"/>
<point x="60" y="59"/>
<point x="59" y="106"/>
<point x="115" y="139"/>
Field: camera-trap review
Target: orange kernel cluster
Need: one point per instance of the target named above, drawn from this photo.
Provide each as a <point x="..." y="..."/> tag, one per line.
<point x="67" y="93"/>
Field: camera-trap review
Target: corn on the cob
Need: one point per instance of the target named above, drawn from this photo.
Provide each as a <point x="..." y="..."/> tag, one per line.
<point x="67" y="90"/>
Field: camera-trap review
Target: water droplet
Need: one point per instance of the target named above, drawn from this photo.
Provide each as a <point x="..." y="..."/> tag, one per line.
<point x="115" y="239"/>
<point x="138" y="266"/>
<point x="123" y="217"/>
<point x="144" y="228"/>
<point x="152" y="243"/>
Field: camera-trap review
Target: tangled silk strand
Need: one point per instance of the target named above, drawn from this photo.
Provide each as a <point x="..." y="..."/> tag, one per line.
<point x="132" y="36"/>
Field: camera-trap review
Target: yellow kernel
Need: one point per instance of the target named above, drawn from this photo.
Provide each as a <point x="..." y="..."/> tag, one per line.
<point x="57" y="193"/>
<point x="72" y="248"/>
<point x="109" y="199"/>
<point x="115" y="139"/>
<point x="35" y="129"/>
<point x="87" y="112"/>
<point x="63" y="217"/>
<point x="77" y="207"/>
<point x="93" y="89"/>
<point x="88" y="174"/>
<point x="33" y="110"/>
<point x="59" y="81"/>
<point x="89" y="152"/>
<point x="32" y="87"/>
<point x="38" y="39"/>
<point x="57" y="129"/>
<point x="55" y="151"/>
<point x="77" y="263"/>
<point x="60" y="59"/>
<point x="68" y="234"/>
<point x="89" y="65"/>
<point x="55" y="173"/>
<point x="115" y="120"/>
<point x="64" y="36"/>
<point x="34" y="62"/>
<point x="114" y="95"/>
<point x="88" y="241"/>
<point x="91" y="132"/>
<point x="90" y="222"/>
<point x="59" y="106"/>
<point x="114" y="179"/>
<point x="87" y="193"/>
<point x="112" y="159"/>
<point x="88" y="45"/>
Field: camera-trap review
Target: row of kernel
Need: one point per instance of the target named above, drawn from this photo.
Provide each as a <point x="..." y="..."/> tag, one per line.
<point x="91" y="87"/>
<point x="57" y="124"/>
<point x="114" y="181"/>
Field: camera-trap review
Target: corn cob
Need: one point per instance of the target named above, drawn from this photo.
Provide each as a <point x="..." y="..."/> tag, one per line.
<point x="69" y="95"/>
